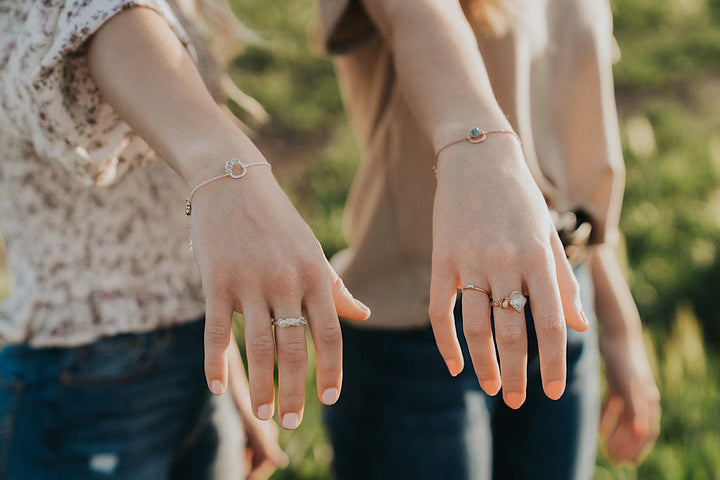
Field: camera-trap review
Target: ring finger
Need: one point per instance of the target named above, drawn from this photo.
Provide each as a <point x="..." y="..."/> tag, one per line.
<point x="478" y="334"/>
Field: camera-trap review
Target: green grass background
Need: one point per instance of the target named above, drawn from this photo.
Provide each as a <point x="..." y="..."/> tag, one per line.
<point x="668" y="90"/>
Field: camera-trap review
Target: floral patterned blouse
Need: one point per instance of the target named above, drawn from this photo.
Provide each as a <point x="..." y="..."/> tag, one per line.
<point x="96" y="235"/>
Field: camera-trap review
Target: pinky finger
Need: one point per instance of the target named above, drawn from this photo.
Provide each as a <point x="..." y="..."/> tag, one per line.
<point x="218" y="333"/>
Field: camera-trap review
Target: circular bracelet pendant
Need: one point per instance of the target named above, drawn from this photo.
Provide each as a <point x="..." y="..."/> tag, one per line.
<point x="476" y="135"/>
<point x="232" y="166"/>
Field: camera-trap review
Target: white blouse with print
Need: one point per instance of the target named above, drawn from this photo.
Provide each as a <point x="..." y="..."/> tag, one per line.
<point x="96" y="234"/>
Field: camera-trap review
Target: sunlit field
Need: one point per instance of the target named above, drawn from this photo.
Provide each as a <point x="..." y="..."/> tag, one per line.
<point x="668" y="90"/>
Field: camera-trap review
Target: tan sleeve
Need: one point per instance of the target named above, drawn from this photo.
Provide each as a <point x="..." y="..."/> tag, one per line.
<point x="583" y="121"/>
<point x="345" y="25"/>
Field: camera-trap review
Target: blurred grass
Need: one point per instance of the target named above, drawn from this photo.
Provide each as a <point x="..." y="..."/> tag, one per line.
<point x="668" y="86"/>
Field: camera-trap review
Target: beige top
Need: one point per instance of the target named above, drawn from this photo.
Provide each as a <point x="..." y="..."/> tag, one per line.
<point x="551" y="73"/>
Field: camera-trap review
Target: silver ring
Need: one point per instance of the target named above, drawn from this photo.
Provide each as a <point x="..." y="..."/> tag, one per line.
<point x="290" y="322"/>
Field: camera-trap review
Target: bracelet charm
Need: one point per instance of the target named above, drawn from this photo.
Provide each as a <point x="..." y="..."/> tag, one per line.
<point x="475" y="135"/>
<point x="234" y="168"/>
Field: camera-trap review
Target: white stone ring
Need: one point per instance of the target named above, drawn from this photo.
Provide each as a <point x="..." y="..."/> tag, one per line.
<point x="290" y="322"/>
<point x="516" y="300"/>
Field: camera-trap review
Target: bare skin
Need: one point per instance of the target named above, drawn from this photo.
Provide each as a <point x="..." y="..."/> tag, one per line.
<point x="514" y="247"/>
<point x="630" y="420"/>
<point x="255" y="253"/>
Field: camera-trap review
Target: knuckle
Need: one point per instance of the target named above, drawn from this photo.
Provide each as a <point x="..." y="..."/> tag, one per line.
<point x="511" y="335"/>
<point x="260" y="346"/>
<point x="294" y="354"/>
<point x="476" y="330"/>
<point x="217" y="335"/>
<point x="282" y="278"/>
<point x="551" y="327"/>
<point x="329" y="335"/>
<point x="502" y="252"/>
<point x="312" y="268"/>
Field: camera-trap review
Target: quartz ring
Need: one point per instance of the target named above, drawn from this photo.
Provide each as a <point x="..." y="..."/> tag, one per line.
<point x="516" y="300"/>
<point x="290" y="322"/>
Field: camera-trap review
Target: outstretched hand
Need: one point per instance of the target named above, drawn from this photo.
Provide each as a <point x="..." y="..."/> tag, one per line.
<point x="492" y="229"/>
<point x="257" y="256"/>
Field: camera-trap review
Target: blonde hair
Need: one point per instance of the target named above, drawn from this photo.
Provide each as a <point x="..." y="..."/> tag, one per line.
<point x="490" y="16"/>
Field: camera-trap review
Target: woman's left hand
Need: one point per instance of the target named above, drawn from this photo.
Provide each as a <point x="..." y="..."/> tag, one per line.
<point x="263" y="454"/>
<point x="630" y="420"/>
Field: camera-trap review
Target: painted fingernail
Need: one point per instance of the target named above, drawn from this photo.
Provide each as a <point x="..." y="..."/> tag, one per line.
<point x="454" y="367"/>
<point x="330" y="396"/>
<point x="290" y="421"/>
<point x="554" y="390"/>
<point x="264" y="412"/>
<point x="216" y="387"/>
<point x="514" y="400"/>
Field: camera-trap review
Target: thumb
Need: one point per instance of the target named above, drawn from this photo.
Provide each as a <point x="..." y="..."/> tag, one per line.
<point x="345" y="304"/>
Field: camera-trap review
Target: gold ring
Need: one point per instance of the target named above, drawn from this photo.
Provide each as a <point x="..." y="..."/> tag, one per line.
<point x="516" y="300"/>
<point x="477" y="289"/>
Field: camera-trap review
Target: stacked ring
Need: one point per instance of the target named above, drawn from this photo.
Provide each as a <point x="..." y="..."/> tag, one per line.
<point x="516" y="300"/>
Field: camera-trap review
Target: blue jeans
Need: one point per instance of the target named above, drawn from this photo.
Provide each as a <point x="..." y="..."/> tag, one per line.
<point x="131" y="406"/>
<point x="401" y="414"/>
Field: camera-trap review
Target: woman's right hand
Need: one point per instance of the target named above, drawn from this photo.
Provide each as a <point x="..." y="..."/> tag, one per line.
<point x="257" y="256"/>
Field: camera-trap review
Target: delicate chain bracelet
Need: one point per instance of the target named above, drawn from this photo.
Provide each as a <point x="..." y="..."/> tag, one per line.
<point x="231" y="167"/>
<point x="475" y="135"/>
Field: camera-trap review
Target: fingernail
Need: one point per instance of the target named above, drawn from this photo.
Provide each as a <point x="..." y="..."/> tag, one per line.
<point x="514" y="400"/>
<point x="454" y="366"/>
<point x="361" y="305"/>
<point x="554" y="390"/>
<point x="290" y="421"/>
<point x="264" y="412"/>
<point x="578" y="305"/>
<point x="330" y="396"/>
<point x="491" y="387"/>
<point x="216" y="387"/>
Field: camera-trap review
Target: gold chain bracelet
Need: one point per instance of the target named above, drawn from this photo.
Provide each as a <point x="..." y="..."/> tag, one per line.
<point x="475" y="135"/>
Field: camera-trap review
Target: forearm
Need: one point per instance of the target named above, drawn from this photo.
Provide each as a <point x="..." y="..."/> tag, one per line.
<point x="439" y="67"/>
<point x="616" y="311"/>
<point x="145" y="73"/>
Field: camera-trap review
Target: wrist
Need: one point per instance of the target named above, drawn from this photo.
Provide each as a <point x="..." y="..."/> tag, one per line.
<point x="202" y="155"/>
<point x="453" y="130"/>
